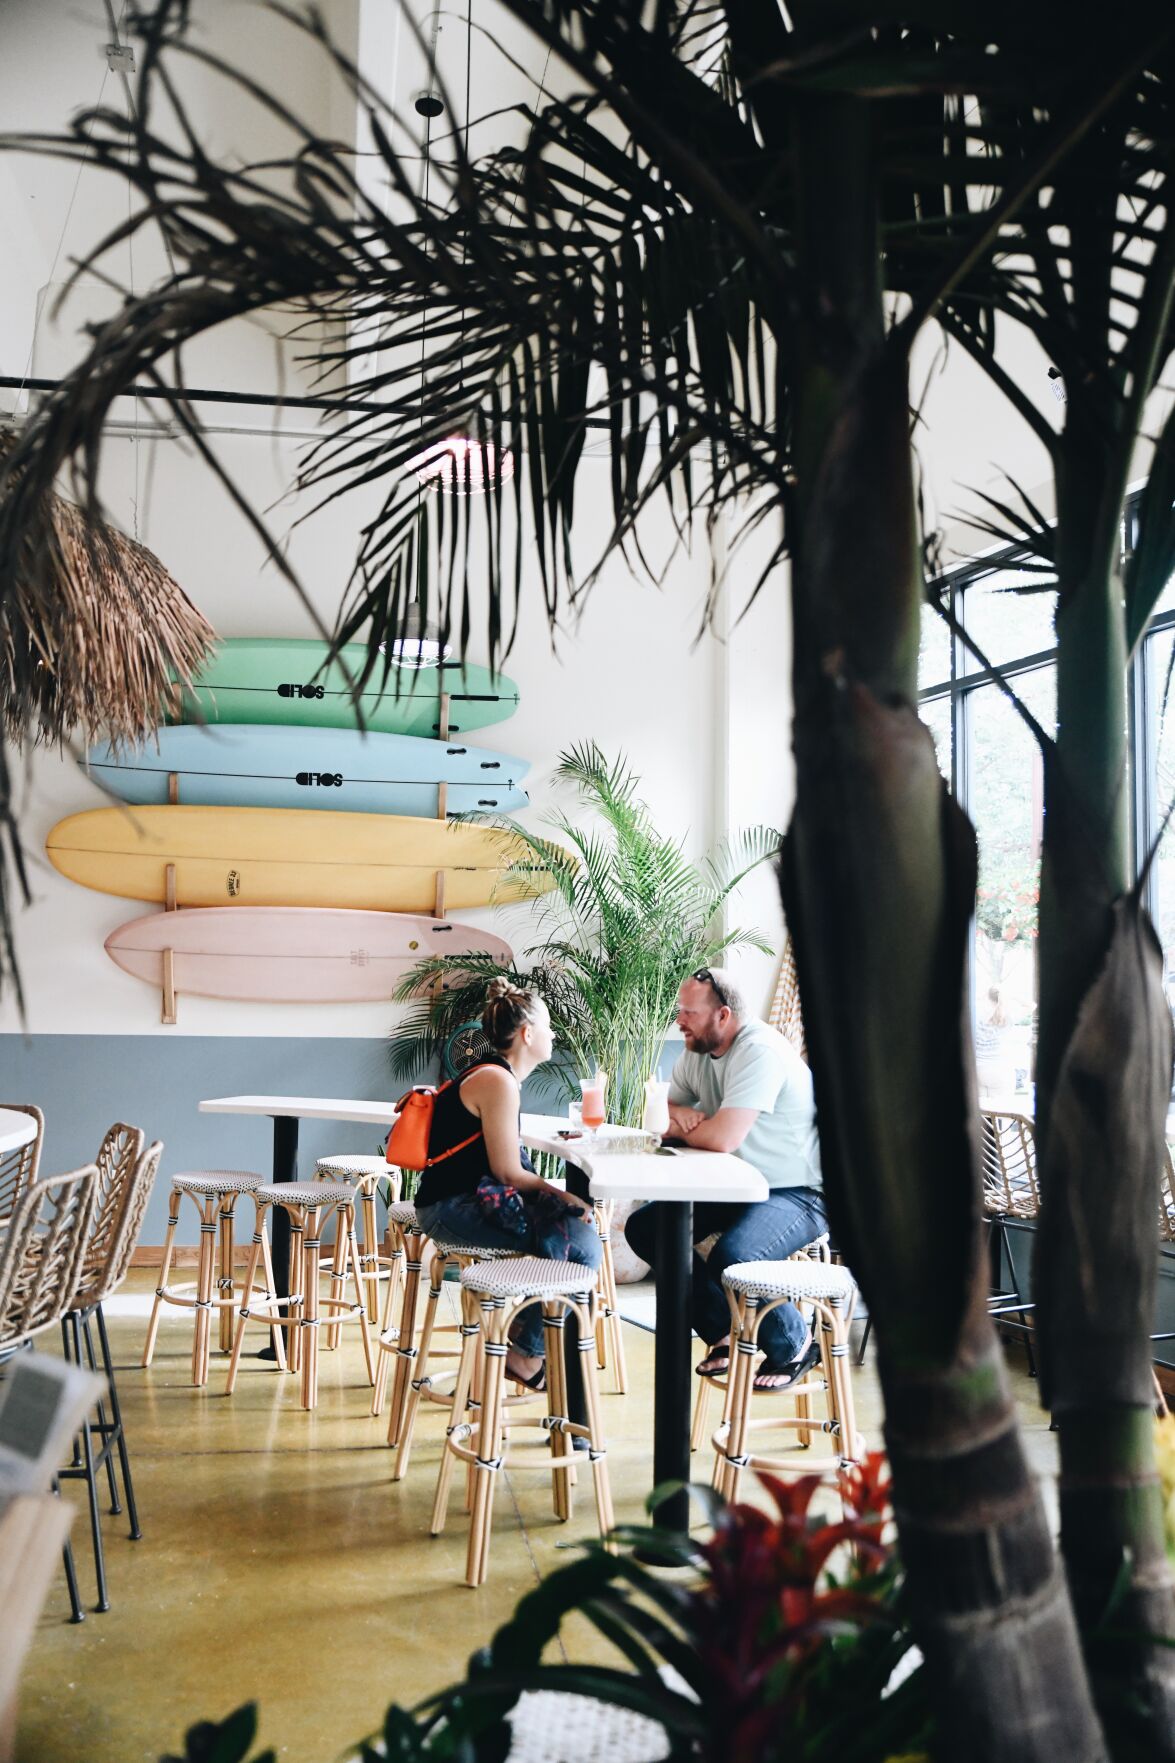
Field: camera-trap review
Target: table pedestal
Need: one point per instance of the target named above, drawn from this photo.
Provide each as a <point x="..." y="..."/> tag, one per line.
<point x="671" y="1389"/>
<point x="285" y="1168"/>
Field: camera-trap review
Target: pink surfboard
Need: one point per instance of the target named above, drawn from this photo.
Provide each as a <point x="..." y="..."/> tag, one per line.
<point x="290" y="954"/>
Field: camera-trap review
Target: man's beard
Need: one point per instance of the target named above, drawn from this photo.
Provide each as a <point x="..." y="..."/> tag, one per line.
<point x="703" y="1043"/>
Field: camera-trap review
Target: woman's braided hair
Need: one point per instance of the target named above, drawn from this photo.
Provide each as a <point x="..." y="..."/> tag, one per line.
<point x="507" y="1007"/>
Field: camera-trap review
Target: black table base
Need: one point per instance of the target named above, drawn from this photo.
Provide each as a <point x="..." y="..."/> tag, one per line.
<point x="285" y="1168"/>
<point x="672" y="1384"/>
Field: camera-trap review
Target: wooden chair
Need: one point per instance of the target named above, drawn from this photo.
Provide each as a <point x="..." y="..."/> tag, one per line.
<point x="214" y="1193"/>
<point x="41" y="1255"/>
<point x="366" y="1174"/>
<point x="501" y="1289"/>
<point x="126" y="1174"/>
<point x="754" y="1289"/>
<point x="308" y="1203"/>
<point x="18" y="1168"/>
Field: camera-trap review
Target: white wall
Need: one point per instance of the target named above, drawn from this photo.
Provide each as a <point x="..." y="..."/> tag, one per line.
<point x="705" y="724"/>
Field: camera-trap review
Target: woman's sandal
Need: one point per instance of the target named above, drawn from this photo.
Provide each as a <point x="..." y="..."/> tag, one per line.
<point x="774" y="1378"/>
<point x="537" y="1381"/>
<point x="717" y="1361"/>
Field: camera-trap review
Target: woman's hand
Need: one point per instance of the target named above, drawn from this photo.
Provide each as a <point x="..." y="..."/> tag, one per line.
<point x="583" y="1207"/>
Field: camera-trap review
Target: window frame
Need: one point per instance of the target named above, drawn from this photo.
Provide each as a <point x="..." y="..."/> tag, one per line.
<point x="967" y="675"/>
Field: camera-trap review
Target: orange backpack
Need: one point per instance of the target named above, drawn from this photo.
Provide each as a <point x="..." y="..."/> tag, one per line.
<point x="407" y="1146"/>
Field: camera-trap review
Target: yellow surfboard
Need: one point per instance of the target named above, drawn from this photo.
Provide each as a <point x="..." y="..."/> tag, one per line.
<point x="290" y="857"/>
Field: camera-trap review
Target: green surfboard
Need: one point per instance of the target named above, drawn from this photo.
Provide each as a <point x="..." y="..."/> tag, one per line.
<point x="282" y="680"/>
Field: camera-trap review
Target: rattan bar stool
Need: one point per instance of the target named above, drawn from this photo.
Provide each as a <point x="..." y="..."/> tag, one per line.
<point x="308" y="1204"/>
<point x="817" y="1250"/>
<point x="397" y="1338"/>
<point x="753" y="1290"/>
<point x="365" y="1174"/>
<point x="447" y="1253"/>
<point x="214" y="1193"/>
<point x="501" y="1289"/>
<point x="610" y="1327"/>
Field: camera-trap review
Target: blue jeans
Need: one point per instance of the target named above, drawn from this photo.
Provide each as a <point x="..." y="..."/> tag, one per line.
<point x="574" y="1239"/>
<point x="766" y="1230"/>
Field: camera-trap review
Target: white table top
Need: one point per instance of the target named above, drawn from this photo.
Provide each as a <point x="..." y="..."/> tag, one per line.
<point x="670" y="1174"/>
<point x="16" y="1129"/>
<point x="304" y="1108"/>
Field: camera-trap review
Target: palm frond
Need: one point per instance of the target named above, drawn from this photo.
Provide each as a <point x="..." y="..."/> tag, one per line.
<point x="630" y="918"/>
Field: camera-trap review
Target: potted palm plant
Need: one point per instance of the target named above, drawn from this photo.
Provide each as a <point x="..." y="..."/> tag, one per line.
<point x="629" y="916"/>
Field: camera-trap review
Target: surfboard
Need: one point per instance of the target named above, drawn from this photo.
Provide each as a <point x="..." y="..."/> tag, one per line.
<point x="289" y="857"/>
<point x="253" y="766"/>
<point x="271" y="679"/>
<point x="290" y="954"/>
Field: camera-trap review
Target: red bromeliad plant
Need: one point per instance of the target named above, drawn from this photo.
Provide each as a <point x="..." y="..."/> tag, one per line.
<point x="766" y="1612"/>
<point x="772" y="1656"/>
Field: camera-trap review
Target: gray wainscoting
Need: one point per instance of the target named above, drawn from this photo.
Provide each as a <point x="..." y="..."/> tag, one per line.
<point x="84" y="1082"/>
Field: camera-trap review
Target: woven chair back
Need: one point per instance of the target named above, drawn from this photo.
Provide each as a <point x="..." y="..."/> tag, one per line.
<point x="18" y="1169"/>
<point x="118" y="1158"/>
<point x="102" y="1277"/>
<point x="785" y="1014"/>
<point x="42" y="1251"/>
<point x="1010" y="1187"/>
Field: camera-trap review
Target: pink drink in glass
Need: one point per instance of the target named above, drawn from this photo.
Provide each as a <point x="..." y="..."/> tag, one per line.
<point x="594" y="1115"/>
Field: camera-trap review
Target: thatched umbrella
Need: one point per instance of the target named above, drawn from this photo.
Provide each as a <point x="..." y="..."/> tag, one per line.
<point x="93" y="631"/>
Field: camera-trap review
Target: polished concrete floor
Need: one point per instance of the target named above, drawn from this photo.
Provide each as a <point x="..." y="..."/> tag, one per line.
<point x="280" y="1562"/>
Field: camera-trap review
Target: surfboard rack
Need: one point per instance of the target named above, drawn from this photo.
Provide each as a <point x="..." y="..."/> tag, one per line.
<point x="167" y="1013"/>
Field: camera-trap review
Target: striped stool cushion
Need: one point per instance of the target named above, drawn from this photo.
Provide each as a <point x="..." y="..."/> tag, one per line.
<point x="527" y="1276"/>
<point x="306" y="1193"/>
<point x="352" y="1168"/>
<point x="578" y="1729"/>
<point x="403" y="1213"/>
<point x="217" y="1181"/>
<point x="796" y="1280"/>
<point x="447" y="1246"/>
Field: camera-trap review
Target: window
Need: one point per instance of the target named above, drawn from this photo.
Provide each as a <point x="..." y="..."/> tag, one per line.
<point x="991" y="760"/>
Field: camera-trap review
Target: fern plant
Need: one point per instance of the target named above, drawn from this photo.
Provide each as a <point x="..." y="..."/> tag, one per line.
<point x="628" y="918"/>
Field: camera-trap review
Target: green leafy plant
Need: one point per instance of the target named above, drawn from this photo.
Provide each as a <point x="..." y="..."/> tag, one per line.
<point x="628" y="918"/>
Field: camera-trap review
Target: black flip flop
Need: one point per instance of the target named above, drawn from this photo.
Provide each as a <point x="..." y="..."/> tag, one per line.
<point x="719" y="1368"/>
<point x="793" y="1372"/>
<point x="537" y="1381"/>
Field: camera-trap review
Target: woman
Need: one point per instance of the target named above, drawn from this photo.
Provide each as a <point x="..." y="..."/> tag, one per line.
<point x="472" y="1195"/>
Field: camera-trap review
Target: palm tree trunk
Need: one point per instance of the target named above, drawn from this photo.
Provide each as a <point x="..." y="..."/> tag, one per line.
<point x="1103" y="1087"/>
<point x="878" y="880"/>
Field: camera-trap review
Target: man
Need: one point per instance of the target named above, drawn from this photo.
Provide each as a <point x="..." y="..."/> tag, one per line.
<point x="741" y="1087"/>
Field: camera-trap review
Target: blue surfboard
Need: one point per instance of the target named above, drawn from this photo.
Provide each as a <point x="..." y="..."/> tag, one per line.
<point x="257" y="766"/>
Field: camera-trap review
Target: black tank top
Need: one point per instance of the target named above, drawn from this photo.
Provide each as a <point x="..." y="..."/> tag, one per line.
<point x="452" y="1123"/>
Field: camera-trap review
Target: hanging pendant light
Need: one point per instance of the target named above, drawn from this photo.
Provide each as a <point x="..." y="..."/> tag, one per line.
<point x="419" y="644"/>
<point x="460" y="465"/>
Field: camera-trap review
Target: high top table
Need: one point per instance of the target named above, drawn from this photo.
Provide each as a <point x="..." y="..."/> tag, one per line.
<point x="16" y="1129"/>
<point x="677" y="1177"/>
<point x="286" y="1112"/>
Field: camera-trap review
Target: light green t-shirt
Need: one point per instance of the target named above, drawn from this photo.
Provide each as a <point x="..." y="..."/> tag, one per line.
<point x="762" y="1070"/>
